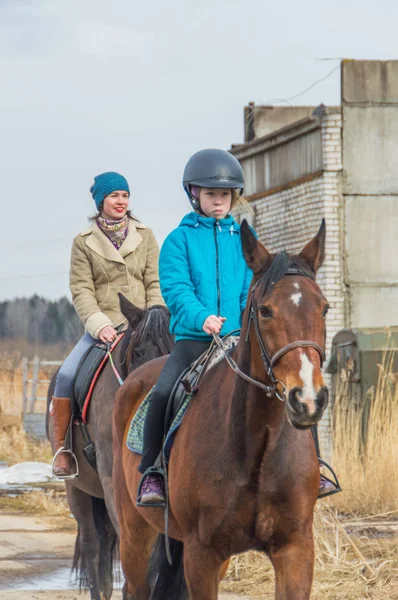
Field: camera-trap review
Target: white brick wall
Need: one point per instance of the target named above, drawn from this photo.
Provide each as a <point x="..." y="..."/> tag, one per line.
<point x="290" y="218"/>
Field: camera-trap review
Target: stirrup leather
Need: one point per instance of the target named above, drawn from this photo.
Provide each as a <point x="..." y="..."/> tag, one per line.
<point x="333" y="479"/>
<point x="63" y="450"/>
<point x="150" y="471"/>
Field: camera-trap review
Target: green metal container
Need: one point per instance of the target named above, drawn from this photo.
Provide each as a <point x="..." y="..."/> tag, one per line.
<point x="356" y="354"/>
<point x="355" y="362"/>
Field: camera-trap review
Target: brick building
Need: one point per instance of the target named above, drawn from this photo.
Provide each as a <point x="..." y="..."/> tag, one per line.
<point x="305" y="163"/>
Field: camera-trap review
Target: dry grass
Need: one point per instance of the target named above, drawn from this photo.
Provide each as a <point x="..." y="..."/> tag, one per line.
<point x="351" y="565"/>
<point x="41" y="502"/>
<point x="362" y="563"/>
<point x="11" y="384"/>
<point x="11" y="396"/>
<point x="368" y="472"/>
<point x="348" y="566"/>
<point x="16" y="446"/>
<point x="18" y="348"/>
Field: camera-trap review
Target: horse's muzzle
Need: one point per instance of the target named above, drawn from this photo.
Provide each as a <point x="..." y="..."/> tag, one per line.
<point x="300" y="413"/>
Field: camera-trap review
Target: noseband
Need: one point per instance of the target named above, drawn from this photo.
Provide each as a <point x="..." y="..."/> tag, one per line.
<point x="270" y="361"/>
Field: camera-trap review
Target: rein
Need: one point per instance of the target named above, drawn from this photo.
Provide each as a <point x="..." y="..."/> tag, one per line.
<point x="114" y="369"/>
<point x="268" y="389"/>
<point x="269" y="361"/>
<point x="110" y="348"/>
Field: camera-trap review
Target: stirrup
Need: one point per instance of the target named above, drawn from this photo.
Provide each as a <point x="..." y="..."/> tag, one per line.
<point x="63" y="450"/>
<point x="150" y="471"/>
<point x="333" y="480"/>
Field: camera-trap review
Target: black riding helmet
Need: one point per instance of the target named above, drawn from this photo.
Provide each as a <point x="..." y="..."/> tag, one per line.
<point x="212" y="168"/>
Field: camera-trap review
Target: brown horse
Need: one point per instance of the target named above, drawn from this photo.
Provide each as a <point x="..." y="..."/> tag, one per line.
<point x="90" y="496"/>
<point x="243" y="471"/>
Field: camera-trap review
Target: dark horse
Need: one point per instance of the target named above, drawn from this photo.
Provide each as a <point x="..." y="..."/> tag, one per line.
<point x="90" y="496"/>
<point x="243" y="471"/>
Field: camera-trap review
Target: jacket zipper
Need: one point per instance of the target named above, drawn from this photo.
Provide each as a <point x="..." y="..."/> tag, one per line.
<point x="217" y="270"/>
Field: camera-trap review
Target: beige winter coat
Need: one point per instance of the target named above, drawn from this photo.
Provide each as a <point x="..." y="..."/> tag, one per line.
<point x="98" y="272"/>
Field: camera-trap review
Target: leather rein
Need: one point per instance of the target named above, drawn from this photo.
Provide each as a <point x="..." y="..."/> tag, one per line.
<point x="269" y="361"/>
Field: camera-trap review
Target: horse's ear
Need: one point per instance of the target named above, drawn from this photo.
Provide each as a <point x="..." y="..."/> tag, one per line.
<point x="132" y="313"/>
<point x="314" y="251"/>
<point x="256" y="256"/>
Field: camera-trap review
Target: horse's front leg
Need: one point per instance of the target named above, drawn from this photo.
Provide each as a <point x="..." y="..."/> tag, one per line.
<point x="202" y="569"/>
<point x="294" y="567"/>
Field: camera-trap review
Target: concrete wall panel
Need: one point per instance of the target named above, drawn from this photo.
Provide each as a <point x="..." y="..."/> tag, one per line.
<point x="371" y="234"/>
<point x="374" y="307"/>
<point x="369" y="81"/>
<point x="370" y="150"/>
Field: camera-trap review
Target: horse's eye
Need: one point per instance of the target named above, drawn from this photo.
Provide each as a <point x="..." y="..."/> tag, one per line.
<point x="325" y="310"/>
<point x="265" y="312"/>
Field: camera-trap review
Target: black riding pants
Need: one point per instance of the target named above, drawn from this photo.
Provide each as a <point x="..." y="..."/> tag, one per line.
<point x="183" y="354"/>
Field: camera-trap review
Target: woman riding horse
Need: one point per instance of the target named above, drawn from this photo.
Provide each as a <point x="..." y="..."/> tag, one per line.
<point x="117" y="253"/>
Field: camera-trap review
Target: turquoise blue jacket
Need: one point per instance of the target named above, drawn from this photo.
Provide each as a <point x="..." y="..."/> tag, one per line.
<point x="202" y="272"/>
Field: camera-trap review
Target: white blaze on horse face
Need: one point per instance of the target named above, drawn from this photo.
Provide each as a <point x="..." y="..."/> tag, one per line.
<point x="306" y="374"/>
<point x="296" y="298"/>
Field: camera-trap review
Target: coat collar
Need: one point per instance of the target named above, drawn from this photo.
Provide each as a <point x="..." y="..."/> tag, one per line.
<point x="101" y="244"/>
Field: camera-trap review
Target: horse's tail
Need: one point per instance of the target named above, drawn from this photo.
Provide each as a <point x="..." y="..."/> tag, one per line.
<point x="108" y="545"/>
<point x="167" y="582"/>
<point x="108" y="551"/>
<point x="79" y="566"/>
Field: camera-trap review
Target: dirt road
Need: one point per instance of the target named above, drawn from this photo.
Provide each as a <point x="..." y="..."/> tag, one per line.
<point x="35" y="559"/>
<point x="48" y="595"/>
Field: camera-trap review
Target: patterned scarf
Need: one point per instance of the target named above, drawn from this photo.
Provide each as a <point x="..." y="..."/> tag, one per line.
<point x="116" y="231"/>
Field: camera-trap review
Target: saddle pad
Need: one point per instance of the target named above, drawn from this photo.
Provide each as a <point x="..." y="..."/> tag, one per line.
<point x="135" y="436"/>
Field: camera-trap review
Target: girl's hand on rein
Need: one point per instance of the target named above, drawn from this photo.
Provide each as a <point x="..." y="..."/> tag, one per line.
<point x="107" y="334"/>
<point x="213" y="324"/>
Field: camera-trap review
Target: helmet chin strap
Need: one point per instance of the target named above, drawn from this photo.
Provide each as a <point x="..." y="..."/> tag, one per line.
<point x="198" y="207"/>
<point x="195" y="202"/>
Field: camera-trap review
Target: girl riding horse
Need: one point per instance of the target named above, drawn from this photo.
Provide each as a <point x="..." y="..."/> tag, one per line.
<point x="204" y="280"/>
<point x="117" y="253"/>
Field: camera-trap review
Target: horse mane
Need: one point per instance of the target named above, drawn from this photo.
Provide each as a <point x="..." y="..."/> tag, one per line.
<point x="281" y="264"/>
<point x="153" y="330"/>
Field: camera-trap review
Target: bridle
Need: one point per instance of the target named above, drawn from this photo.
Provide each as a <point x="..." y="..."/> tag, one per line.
<point x="270" y="361"/>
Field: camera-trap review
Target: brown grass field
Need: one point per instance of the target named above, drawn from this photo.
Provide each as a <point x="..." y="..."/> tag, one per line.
<point x="356" y="532"/>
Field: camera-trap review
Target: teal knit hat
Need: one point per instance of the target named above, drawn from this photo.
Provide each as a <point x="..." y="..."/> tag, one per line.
<point x="105" y="184"/>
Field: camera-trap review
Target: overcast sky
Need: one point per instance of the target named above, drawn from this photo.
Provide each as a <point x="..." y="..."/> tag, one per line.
<point x="96" y="85"/>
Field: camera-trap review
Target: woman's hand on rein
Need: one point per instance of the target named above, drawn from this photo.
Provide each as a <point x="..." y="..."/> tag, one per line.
<point x="213" y="324"/>
<point x="107" y="334"/>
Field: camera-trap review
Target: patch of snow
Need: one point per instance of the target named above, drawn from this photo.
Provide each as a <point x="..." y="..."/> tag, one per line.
<point x="27" y="472"/>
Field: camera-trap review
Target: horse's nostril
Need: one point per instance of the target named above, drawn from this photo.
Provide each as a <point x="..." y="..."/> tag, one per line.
<point x="322" y="398"/>
<point x="294" y="400"/>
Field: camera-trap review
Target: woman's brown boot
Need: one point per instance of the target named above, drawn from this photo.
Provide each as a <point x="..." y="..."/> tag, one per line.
<point x="62" y="413"/>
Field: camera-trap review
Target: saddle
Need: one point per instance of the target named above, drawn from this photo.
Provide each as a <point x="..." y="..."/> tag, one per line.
<point x="88" y="372"/>
<point x="188" y="382"/>
<point x="182" y="393"/>
<point x="86" y="376"/>
<point x="184" y="389"/>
